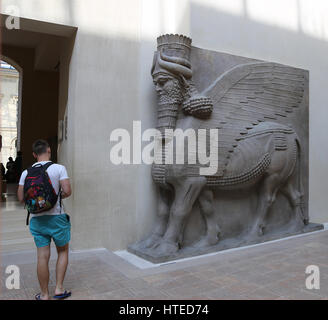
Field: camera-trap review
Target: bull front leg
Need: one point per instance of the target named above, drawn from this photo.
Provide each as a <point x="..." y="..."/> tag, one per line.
<point x="187" y="191"/>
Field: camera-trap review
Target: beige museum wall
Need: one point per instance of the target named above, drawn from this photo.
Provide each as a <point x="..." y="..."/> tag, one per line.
<point x="100" y="99"/>
<point x="109" y="86"/>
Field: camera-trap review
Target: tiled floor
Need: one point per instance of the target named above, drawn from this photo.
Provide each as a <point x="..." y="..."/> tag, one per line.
<point x="269" y="271"/>
<point x="14" y="235"/>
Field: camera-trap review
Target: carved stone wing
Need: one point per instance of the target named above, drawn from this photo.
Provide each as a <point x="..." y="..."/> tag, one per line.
<point x="248" y="94"/>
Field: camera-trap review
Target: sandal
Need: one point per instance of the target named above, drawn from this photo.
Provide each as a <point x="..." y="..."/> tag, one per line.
<point x="64" y="295"/>
<point x="38" y="296"/>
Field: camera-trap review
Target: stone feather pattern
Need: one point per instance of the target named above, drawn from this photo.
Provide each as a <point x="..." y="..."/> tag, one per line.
<point x="249" y="94"/>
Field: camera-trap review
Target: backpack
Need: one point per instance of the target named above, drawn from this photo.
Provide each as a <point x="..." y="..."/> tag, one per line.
<point x="39" y="194"/>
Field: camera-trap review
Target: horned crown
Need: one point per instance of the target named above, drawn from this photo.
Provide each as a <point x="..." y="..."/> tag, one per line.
<point x="173" y="55"/>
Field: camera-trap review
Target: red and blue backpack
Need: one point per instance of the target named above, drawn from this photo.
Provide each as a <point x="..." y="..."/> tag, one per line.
<point x="39" y="193"/>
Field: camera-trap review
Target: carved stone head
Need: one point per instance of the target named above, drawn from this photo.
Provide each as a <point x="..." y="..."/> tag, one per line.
<point x="172" y="76"/>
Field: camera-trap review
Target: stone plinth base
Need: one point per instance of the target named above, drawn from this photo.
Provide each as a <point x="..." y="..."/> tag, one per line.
<point x="224" y="244"/>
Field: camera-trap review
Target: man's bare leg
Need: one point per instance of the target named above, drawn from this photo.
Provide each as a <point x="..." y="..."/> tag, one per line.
<point x="61" y="266"/>
<point x="43" y="270"/>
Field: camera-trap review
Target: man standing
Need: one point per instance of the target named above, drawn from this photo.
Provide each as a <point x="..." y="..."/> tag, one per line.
<point x="18" y="165"/>
<point x="51" y="224"/>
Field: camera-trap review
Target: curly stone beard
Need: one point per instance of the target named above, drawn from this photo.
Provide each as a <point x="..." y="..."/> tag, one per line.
<point x="168" y="106"/>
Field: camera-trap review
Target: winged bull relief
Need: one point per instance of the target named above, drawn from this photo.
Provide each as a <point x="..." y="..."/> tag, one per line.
<point x="253" y="105"/>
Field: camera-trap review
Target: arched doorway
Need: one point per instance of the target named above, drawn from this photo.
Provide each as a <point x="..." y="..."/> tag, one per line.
<point x="10" y="111"/>
<point x="13" y="234"/>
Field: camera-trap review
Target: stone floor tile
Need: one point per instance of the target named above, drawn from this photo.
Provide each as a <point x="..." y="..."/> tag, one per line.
<point x="224" y="294"/>
<point x="261" y="294"/>
<point x="225" y="281"/>
<point x="242" y="288"/>
<point x="303" y="295"/>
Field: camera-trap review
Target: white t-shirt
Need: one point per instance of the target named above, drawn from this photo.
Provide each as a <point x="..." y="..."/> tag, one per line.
<point x="56" y="173"/>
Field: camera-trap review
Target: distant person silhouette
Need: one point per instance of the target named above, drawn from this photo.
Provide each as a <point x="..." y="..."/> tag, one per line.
<point x="3" y="171"/>
<point x="18" y="165"/>
<point x="11" y="170"/>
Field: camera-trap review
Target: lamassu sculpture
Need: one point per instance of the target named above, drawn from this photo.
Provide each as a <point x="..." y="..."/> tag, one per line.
<point x="250" y="104"/>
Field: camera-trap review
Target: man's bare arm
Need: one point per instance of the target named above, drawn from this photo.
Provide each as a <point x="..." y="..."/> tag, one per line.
<point x="20" y="193"/>
<point x="66" y="190"/>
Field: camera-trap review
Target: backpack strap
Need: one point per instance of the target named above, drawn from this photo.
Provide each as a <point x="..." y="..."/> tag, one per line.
<point x="60" y="198"/>
<point x="28" y="217"/>
<point x="47" y="165"/>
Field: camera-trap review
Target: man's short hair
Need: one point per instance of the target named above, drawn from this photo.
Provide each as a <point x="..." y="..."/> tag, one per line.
<point x="40" y="146"/>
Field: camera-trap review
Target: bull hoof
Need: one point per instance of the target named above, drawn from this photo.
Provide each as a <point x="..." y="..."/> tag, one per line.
<point x="257" y="232"/>
<point x="150" y="242"/>
<point x="261" y="230"/>
<point x="166" y="248"/>
<point x="298" y="226"/>
<point x="206" y="241"/>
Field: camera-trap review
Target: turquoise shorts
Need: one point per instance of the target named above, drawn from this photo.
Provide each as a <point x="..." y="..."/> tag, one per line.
<point x="56" y="227"/>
